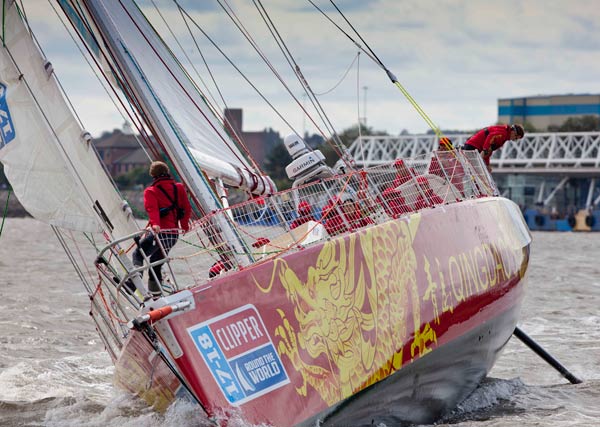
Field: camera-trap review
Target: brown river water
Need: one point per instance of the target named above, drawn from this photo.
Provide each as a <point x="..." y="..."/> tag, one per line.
<point x="55" y="372"/>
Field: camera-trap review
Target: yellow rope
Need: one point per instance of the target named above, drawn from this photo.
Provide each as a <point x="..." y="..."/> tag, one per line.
<point x="444" y="142"/>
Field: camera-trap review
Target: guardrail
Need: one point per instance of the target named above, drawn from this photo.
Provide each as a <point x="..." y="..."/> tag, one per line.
<point x="534" y="153"/>
<point x="291" y="219"/>
<point x="287" y="221"/>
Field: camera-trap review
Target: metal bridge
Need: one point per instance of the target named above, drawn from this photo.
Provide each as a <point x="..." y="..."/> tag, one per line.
<point x="576" y="154"/>
<point x="552" y="157"/>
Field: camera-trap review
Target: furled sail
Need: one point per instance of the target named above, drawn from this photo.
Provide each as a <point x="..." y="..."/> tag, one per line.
<point x="190" y="120"/>
<point x="170" y="105"/>
<point x="48" y="158"/>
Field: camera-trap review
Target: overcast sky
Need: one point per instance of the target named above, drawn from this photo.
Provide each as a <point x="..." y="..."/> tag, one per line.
<point x="455" y="57"/>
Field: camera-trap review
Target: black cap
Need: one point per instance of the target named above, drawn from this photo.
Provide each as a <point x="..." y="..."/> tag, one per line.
<point x="518" y="130"/>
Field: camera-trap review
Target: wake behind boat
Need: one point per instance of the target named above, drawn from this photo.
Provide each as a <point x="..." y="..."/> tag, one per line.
<point x="357" y="297"/>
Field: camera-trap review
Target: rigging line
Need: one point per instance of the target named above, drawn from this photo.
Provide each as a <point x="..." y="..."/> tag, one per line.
<point x="147" y="331"/>
<point x="240" y="147"/>
<point x="103" y="87"/>
<point x="5" y="211"/>
<point x="360" y="141"/>
<point x="39" y="46"/>
<point x="236" y="68"/>
<point x="237" y="22"/>
<point x="336" y="143"/>
<point x="237" y="137"/>
<point x="24" y="13"/>
<point x="117" y="72"/>
<point x="392" y="77"/>
<point x="179" y="83"/>
<point x="3" y="22"/>
<point x="51" y="128"/>
<point x="238" y="143"/>
<point x="341" y="79"/>
<point x="286" y="54"/>
<point x="359" y="36"/>
<point x="185" y="53"/>
<point x="71" y="257"/>
<point x="261" y="54"/>
<point x="345" y="33"/>
<point x="248" y="37"/>
<point x="124" y="85"/>
<point x="215" y="111"/>
<point x="290" y="60"/>
<point x="155" y="145"/>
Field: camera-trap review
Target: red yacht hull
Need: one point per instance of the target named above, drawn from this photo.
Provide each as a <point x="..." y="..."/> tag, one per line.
<point x="398" y="322"/>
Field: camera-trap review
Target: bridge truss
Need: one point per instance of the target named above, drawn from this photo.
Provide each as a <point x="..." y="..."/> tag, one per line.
<point x="561" y="155"/>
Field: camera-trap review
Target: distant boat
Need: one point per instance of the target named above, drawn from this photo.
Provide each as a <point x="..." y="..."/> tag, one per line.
<point x="389" y="301"/>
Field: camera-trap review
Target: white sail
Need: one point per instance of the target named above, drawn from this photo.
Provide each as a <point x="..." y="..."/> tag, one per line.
<point x="170" y="104"/>
<point x="48" y="158"/>
<point x="191" y="118"/>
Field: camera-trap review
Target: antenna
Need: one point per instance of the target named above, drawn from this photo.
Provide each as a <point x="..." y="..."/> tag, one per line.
<point x="304" y="114"/>
<point x="365" y="88"/>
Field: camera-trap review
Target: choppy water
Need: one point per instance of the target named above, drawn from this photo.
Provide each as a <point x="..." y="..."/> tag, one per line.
<point x="54" y="371"/>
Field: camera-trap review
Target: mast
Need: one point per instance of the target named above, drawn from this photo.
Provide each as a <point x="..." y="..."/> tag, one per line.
<point x="152" y="104"/>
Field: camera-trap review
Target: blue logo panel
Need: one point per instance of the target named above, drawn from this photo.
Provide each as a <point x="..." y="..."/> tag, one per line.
<point x="259" y="370"/>
<point x="7" y="130"/>
<point x="240" y="355"/>
<point x="216" y="362"/>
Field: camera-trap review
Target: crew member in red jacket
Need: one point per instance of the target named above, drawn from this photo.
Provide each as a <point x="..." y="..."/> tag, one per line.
<point x="343" y="214"/>
<point x="168" y="211"/>
<point x="491" y="138"/>
<point x="304" y="215"/>
<point x="426" y="197"/>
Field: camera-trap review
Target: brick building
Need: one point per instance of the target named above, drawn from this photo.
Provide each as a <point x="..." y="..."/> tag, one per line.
<point x="120" y="152"/>
<point x="259" y="143"/>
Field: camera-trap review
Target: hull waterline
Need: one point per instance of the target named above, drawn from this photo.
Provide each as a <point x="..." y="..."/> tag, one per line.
<point x="432" y="386"/>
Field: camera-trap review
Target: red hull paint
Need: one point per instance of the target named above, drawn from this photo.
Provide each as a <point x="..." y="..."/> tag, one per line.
<point x="287" y="339"/>
<point x="141" y="371"/>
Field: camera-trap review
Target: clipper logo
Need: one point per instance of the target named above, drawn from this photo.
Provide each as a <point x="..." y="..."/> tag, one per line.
<point x="240" y="354"/>
<point x="7" y="129"/>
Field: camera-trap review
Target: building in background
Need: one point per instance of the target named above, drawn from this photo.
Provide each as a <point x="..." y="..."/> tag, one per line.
<point x="547" y="112"/>
<point x="120" y="152"/>
<point x="259" y="143"/>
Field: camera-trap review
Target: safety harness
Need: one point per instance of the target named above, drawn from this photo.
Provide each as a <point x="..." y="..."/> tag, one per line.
<point x="179" y="211"/>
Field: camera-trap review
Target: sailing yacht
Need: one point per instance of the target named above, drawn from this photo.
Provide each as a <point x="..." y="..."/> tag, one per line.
<point x="389" y="303"/>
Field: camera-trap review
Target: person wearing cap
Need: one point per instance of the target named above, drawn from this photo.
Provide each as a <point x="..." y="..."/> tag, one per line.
<point x="394" y="202"/>
<point x="491" y="138"/>
<point x="304" y="215"/>
<point x="168" y="210"/>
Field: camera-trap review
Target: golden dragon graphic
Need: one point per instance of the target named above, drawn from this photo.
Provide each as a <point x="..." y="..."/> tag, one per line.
<point x="352" y="314"/>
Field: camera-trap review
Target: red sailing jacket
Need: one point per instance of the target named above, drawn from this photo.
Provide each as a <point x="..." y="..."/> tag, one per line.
<point x="304" y="215"/>
<point x="334" y="224"/>
<point x="489" y="139"/>
<point x="155" y="199"/>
